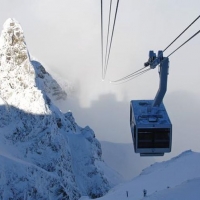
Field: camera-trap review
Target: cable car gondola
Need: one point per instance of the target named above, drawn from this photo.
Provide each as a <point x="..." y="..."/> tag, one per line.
<point x="150" y="124"/>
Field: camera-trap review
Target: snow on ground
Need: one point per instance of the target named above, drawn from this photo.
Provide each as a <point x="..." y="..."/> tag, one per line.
<point x="178" y="178"/>
<point x="189" y="190"/>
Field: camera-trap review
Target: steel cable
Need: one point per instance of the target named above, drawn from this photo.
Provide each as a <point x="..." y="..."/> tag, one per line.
<point x="135" y="75"/>
<point x="106" y="66"/>
<point x="108" y="30"/>
<point x="184" y="43"/>
<point x="102" y="37"/>
<point x="181" y="33"/>
<point x="141" y="71"/>
<point x="130" y="75"/>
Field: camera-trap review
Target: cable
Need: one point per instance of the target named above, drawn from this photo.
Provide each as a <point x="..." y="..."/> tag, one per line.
<point x="181" y="33"/>
<point x="184" y="43"/>
<point x="141" y="71"/>
<point x="111" y="38"/>
<point x="102" y="37"/>
<point x="131" y="77"/>
<point x="132" y="74"/>
<point x="135" y="76"/>
<point x="108" y="31"/>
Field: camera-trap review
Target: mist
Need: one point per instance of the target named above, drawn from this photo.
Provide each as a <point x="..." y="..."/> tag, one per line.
<point x="65" y="37"/>
<point x="109" y="118"/>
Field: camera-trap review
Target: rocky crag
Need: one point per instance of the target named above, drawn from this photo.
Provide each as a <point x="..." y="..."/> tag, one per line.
<point x="44" y="154"/>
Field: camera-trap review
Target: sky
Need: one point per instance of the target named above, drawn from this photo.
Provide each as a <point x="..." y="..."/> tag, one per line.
<point x="65" y="36"/>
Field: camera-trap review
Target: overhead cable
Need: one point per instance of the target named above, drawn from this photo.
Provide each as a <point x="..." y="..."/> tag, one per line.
<point x="106" y="66"/>
<point x="181" y="33"/>
<point x="134" y="75"/>
<point x="141" y="71"/>
<point x="184" y="43"/>
<point x="108" y="31"/>
<point x="130" y="75"/>
<point x="102" y="37"/>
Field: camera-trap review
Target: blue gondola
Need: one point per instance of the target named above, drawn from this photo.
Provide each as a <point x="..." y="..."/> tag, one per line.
<point x="150" y="124"/>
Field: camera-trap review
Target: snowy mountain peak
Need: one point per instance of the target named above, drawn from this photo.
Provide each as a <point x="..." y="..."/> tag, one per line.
<point x="12" y="32"/>
<point x="13" y="47"/>
<point x="44" y="154"/>
<point x="17" y="75"/>
<point x="24" y="84"/>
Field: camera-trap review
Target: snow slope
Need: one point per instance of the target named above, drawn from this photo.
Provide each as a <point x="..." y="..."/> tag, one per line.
<point x="44" y="154"/>
<point x="178" y="178"/>
<point x="188" y="190"/>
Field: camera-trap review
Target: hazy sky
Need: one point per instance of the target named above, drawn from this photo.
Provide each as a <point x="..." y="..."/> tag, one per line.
<point x="65" y="36"/>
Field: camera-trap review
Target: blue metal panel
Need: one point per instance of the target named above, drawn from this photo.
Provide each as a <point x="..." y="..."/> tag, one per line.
<point x="151" y="128"/>
<point x="144" y="113"/>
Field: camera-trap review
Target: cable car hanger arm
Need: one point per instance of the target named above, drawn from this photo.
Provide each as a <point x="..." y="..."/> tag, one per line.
<point x="163" y="73"/>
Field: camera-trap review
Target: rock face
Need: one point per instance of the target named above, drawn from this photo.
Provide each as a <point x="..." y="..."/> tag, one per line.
<point x="44" y="154"/>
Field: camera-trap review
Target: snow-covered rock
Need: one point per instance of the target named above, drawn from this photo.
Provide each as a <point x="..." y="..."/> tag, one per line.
<point x="44" y="154"/>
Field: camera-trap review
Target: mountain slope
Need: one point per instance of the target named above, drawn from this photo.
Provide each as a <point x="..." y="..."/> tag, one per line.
<point x="39" y="154"/>
<point x="185" y="191"/>
<point x="161" y="180"/>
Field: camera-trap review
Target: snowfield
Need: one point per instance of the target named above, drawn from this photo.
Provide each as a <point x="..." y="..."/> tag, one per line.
<point x="178" y="178"/>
